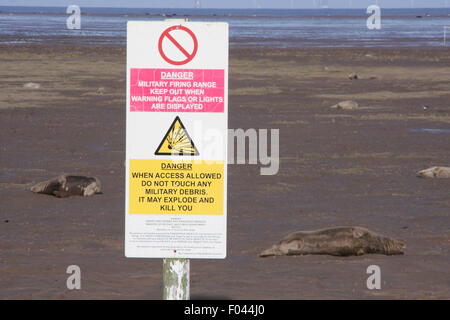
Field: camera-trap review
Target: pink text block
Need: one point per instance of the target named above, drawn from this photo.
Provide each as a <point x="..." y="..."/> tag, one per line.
<point x="177" y="90"/>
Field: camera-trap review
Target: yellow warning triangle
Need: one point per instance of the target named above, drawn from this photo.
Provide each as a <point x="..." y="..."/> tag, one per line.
<point x="176" y="142"/>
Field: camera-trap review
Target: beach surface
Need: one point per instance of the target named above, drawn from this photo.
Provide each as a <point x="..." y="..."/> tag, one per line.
<point x="337" y="168"/>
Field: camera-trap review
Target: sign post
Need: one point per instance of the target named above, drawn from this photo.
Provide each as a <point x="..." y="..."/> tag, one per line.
<point x="176" y="145"/>
<point x="176" y="280"/>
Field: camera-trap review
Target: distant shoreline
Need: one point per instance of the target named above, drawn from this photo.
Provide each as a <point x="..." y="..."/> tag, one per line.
<point x="223" y="12"/>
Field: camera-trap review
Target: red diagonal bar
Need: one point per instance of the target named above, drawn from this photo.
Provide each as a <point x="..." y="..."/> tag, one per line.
<point x="175" y="42"/>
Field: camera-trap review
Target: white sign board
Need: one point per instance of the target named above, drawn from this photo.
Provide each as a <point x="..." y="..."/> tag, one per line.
<point x="176" y="139"/>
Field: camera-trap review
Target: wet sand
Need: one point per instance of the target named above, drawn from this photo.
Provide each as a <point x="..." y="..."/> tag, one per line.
<point x="337" y="168"/>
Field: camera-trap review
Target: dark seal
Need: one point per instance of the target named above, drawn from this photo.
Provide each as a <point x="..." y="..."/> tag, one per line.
<point x="66" y="185"/>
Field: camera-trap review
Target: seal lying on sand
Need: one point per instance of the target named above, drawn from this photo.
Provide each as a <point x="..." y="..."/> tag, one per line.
<point x="339" y="241"/>
<point x="66" y="186"/>
<point x="435" y="172"/>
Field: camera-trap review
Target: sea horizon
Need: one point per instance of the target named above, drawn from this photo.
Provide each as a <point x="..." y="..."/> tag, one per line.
<point x="264" y="27"/>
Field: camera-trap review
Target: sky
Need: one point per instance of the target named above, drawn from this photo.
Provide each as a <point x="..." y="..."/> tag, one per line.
<point x="228" y="3"/>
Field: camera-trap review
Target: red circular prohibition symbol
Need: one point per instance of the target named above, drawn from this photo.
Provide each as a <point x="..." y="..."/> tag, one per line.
<point x="166" y="34"/>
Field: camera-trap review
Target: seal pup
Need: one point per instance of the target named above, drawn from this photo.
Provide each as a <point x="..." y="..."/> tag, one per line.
<point x="346" y="105"/>
<point x="435" y="172"/>
<point x="65" y="186"/>
<point x="32" y="86"/>
<point x="338" y="241"/>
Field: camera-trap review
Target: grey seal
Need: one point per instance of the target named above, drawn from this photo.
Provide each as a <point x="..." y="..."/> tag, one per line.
<point x="337" y="241"/>
<point x="68" y="185"/>
<point x="435" y="172"/>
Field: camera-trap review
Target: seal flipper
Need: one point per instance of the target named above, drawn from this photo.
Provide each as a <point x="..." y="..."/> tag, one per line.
<point x="61" y="194"/>
<point x="272" y="251"/>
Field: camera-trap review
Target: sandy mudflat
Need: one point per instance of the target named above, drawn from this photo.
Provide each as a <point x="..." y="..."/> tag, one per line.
<point x="337" y="168"/>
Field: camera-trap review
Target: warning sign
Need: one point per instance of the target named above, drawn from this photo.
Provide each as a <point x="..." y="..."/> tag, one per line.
<point x="186" y="187"/>
<point x="176" y="139"/>
<point x="176" y="142"/>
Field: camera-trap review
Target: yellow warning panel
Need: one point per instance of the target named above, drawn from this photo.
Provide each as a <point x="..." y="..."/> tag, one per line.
<point x="176" y="187"/>
<point x="176" y="141"/>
